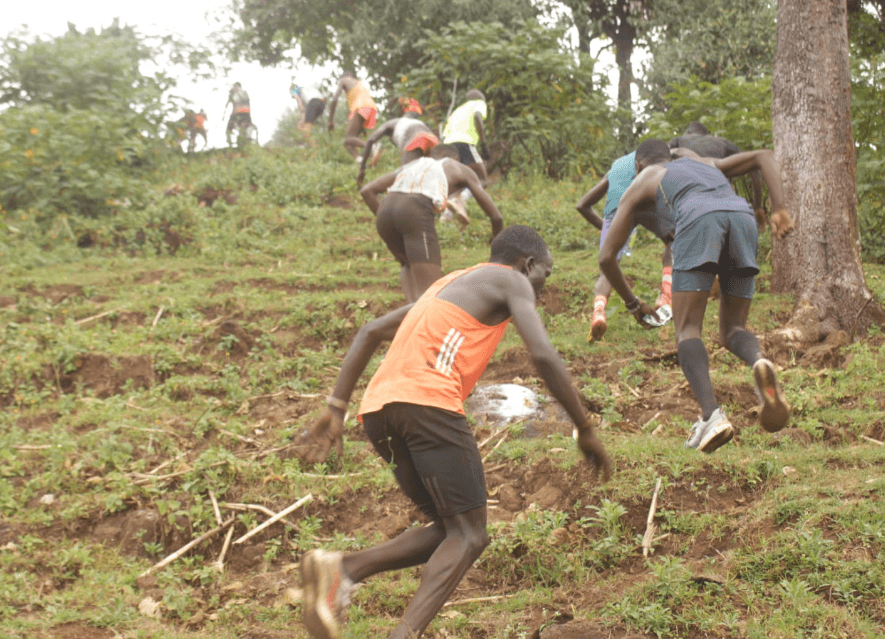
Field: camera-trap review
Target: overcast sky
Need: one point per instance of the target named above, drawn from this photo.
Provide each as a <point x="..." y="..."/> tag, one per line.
<point x="194" y="21"/>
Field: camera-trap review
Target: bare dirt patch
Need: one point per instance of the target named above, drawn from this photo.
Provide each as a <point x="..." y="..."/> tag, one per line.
<point x="105" y="375"/>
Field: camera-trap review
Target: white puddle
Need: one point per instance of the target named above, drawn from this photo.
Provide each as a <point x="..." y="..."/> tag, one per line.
<point x="500" y="404"/>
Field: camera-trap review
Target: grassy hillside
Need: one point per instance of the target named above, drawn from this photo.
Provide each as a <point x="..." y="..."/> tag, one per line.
<point x="155" y="365"/>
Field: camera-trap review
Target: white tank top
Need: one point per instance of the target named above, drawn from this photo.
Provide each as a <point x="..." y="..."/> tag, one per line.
<point x="405" y="131"/>
<point x="424" y="176"/>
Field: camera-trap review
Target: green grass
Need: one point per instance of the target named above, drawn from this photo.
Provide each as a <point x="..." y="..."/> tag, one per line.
<point x="143" y="376"/>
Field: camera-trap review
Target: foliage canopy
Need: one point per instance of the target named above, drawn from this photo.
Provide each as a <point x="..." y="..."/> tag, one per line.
<point x="380" y="36"/>
<point x="546" y="106"/>
<point x="82" y="112"/>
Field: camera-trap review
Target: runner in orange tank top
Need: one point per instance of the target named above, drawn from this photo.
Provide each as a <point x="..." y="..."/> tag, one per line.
<point x="363" y="112"/>
<point x="412" y="412"/>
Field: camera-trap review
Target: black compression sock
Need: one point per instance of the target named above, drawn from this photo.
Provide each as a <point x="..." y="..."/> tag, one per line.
<point x="695" y="364"/>
<point x="744" y="345"/>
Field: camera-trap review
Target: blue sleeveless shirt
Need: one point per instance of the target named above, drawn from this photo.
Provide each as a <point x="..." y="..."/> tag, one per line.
<point x="620" y="176"/>
<point x="691" y="189"/>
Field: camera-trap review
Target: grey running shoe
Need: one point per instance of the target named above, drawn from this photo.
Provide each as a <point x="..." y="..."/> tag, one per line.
<point x="326" y="593"/>
<point x="707" y="436"/>
<point x="775" y="411"/>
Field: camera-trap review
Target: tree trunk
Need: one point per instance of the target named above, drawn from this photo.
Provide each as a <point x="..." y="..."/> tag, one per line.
<point x="811" y="106"/>
<point x="623" y="53"/>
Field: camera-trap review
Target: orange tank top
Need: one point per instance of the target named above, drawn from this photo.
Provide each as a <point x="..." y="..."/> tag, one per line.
<point x="437" y="355"/>
<point x="358" y="97"/>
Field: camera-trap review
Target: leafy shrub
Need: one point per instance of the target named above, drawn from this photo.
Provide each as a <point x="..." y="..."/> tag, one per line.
<point x="546" y="105"/>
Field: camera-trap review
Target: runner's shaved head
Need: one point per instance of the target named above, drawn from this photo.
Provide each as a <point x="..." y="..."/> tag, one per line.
<point x="652" y="151"/>
<point x="518" y="241"/>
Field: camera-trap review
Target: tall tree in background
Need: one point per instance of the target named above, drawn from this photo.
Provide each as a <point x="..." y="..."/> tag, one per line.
<point x="379" y="36"/>
<point x="811" y="120"/>
<point x="616" y="20"/>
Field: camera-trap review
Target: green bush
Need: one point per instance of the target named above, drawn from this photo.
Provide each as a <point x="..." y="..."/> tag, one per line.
<point x="546" y="104"/>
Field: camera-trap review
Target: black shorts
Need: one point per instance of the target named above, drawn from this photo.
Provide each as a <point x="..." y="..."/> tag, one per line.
<point x="314" y="110"/>
<point x="407" y="224"/>
<point x="434" y="455"/>
<point x="241" y="120"/>
<point x="718" y="243"/>
<point x="467" y="153"/>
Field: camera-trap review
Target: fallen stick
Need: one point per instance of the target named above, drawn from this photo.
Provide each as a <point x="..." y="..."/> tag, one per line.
<point x="489" y="471"/>
<point x="215" y="507"/>
<point x="166" y="463"/>
<point x="32" y="447"/>
<point x="219" y="563"/>
<point x="347" y="476"/>
<point x="657" y="539"/>
<point x="874" y="441"/>
<point x="648" y="537"/>
<point x="184" y="549"/>
<point x="632" y="390"/>
<point x="298" y="504"/>
<point x="477" y="600"/>
<point x="157" y="318"/>
<point x="141" y="478"/>
<point x="260" y="509"/>
<point x="99" y="316"/>
<point x="495" y="447"/>
<point x="245" y="440"/>
<point x="284" y="392"/>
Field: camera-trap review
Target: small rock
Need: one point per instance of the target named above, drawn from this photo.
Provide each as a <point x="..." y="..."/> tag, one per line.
<point x="149" y="607"/>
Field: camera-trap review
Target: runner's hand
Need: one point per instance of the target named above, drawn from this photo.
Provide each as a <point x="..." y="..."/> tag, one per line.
<point x="781" y="223"/>
<point x="643" y="310"/>
<point x="594" y="452"/>
<point x="317" y="442"/>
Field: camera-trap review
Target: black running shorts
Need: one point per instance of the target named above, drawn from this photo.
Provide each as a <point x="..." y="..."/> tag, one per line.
<point x="434" y="456"/>
<point x="467" y="153"/>
<point x="407" y="225"/>
<point x="314" y="110"/>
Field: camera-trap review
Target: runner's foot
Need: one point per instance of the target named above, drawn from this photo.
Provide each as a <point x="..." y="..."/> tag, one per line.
<point x="707" y="436"/>
<point x="326" y="591"/>
<point x="598" y="325"/>
<point x="775" y="411"/>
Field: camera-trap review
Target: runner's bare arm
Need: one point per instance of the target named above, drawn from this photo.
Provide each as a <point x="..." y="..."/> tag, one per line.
<point x="328" y="429"/>
<point x="301" y="109"/>
<point x="764" y="160"/>
<point x="521" y="303"/>
<point x="640" y="193"/>
<point x="384" y="129"/>
<point x="480" y="129"/>
<point x="467" y="177"/>
<point x="590" y="198"/>
<point x="334" y="104"/>
<point x="373" y="189"/>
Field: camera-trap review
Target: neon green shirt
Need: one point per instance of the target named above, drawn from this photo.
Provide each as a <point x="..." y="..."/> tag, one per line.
<point x="460" y="126"/>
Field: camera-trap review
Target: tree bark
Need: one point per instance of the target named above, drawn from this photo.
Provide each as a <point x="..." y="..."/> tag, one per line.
<point x="811" y="107"/>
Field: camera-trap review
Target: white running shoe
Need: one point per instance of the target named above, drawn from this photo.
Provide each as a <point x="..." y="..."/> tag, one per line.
<point x="707" y="436"/>
<point x="326" y="592"/>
